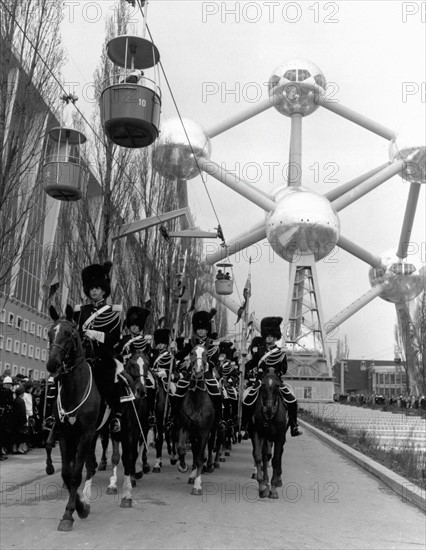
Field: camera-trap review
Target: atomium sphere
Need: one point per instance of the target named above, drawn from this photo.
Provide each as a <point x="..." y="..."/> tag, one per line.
<point x="298" y="81"/>
<point x="175" y="157"/>
<point x="409" y="145"/>
<point x="404" y="279"/>
<point x="303" y="223"/>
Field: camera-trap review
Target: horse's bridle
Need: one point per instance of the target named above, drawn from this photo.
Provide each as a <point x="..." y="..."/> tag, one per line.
<point x="67" y="366"/>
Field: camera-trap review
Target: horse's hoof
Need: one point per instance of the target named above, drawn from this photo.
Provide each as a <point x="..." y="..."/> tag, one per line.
<point x="112" y="491"/>
<point x="264" y="492"/>
<point x="156" y="470"/>
<point x="146" y="468"/>
<point x="173" y="461"/>
<point x="126" y="503"/>
<point x="182" y="469"/>
<point x="50" y="470"/>
<point x="191" y="481"/>
<point x="217" y="464"/>
<point x="208" y="469"/>
<point x="227" y="453"/>
<point x="138" y="475"/>
<point x="102" y="467"/>
<point x="83" y="510"/>
<point x="133" y="482"/>
<point x="197" y="492"/>
<point x="222" y="459"/>
<point x="65" y="525"/>
<point x="273" y="493"/>
<point x="279" y="483"/>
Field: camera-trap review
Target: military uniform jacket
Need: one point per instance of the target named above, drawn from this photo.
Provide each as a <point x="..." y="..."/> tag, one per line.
<point x="107" y="322"/>
<point x="128" y="345"/>
<point x="265" y="358"/>
<point x="161" y="361"/>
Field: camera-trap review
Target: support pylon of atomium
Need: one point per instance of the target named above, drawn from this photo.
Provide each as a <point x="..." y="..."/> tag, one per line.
<point x="303" y="226"/>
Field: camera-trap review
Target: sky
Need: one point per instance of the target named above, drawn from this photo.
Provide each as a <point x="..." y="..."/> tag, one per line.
<point x="218" y="58"/>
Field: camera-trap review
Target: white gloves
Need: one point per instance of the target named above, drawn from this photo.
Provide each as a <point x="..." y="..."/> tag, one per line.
<point x="96" y="335"/>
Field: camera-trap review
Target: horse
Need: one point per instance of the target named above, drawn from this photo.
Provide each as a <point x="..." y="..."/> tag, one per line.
<point x="162" y="427"/>
<point x="76" y="413"/>
<point x="196" y="419"/>
<point x="268" y="431"/>
<point x="134" y="426"/>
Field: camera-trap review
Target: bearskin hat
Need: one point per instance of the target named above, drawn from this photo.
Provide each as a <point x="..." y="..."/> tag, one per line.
<point x="227" y="349"/>
<point x="270" y="326"/>
<point x="201" y="319"/>
<point x="136" y="316"/>
<point x="162" y="336"/>
<point x="97" y="275"/>
<point x="255" y="343"/>
<point x="180" y="342"/>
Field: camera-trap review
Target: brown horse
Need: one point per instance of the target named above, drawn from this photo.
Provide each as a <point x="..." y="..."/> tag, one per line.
<point x="269" y="426"/>
<point x="196" y="419"/>
<point x="76" y="413"/>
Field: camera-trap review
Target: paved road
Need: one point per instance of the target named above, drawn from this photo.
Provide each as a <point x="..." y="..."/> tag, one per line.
<point x="327" y="502"/>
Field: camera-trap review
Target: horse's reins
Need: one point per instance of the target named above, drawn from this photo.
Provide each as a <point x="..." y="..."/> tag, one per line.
<point x="66" y="368"/>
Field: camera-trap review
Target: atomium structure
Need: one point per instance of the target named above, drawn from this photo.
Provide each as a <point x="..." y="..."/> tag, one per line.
<point x="303" y="226"/>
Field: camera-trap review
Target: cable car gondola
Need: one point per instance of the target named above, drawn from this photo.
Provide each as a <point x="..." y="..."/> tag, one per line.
<point x="224" y="285"/>
<point x="130" y="101"/>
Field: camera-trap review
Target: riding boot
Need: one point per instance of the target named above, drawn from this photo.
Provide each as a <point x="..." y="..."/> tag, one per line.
<point x="292" y="418"/>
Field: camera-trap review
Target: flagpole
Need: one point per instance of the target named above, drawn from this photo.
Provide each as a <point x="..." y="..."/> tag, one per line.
<point x="247" y="292"/>
<point x="175" y="330"/>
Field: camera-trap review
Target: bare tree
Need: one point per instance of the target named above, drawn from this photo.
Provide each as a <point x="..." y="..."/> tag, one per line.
<point x="419" y="343"/>
<point x="342" y="350"/>
<point x="28" y="90"/>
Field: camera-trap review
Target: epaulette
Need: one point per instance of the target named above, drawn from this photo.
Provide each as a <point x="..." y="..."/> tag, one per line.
<point x="117" y="307"/>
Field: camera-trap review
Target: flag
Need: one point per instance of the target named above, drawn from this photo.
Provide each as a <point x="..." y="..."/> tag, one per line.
<point x="246" y="296"/>
<point x="53" y="287"/>
<point x="193" y="300"/>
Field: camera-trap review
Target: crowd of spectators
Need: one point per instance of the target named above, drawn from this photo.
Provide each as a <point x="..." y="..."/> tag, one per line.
<point x="23" y="410"/>
<point x="393" y="401"/>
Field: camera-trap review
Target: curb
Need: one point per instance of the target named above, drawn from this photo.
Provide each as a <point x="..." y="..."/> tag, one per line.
<point x="405" y="489"/>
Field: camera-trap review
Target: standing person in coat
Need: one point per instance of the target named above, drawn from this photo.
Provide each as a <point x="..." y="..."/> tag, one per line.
<point x="19" y="422"/>
<point x="99" y="324"/>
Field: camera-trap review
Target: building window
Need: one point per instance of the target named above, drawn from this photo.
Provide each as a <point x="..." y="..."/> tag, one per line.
<point x="45" y="331"/>
<point x="39" y="330"/>
<point x="8" y="344"/>
<point x="42" y="375"/>
<point x="31" y="351"/>
<point x="307" y="392"/>
<point x="2" y="315"/>
<point x="363" y="365"/>
<point x="10" y="318"/>
<point x="15" y="369"/>
<point x="43" y="354"/>
<point x="26" y="325"/>
<point x="23" y="370"/>
<point x="16" y="346"/>
<point x="32" y="328"/>
<point x="1" y="341"/>
<point x="36" y="375"/>
<point x="1" y="366"/>
<point x="37" y="353"/>
<point x="7" y="366"/>
<point x="19" y="322"/>
<point x="24" y="348"/>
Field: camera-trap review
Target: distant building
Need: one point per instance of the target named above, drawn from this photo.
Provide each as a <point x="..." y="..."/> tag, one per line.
<point x="370" y="377"/>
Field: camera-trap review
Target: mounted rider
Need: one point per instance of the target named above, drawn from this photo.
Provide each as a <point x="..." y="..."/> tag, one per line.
<point x="99" y="325"/>
<point x="201" y="327"/>
<point x="266" y="354"/>
<point x="135" y="341"/>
